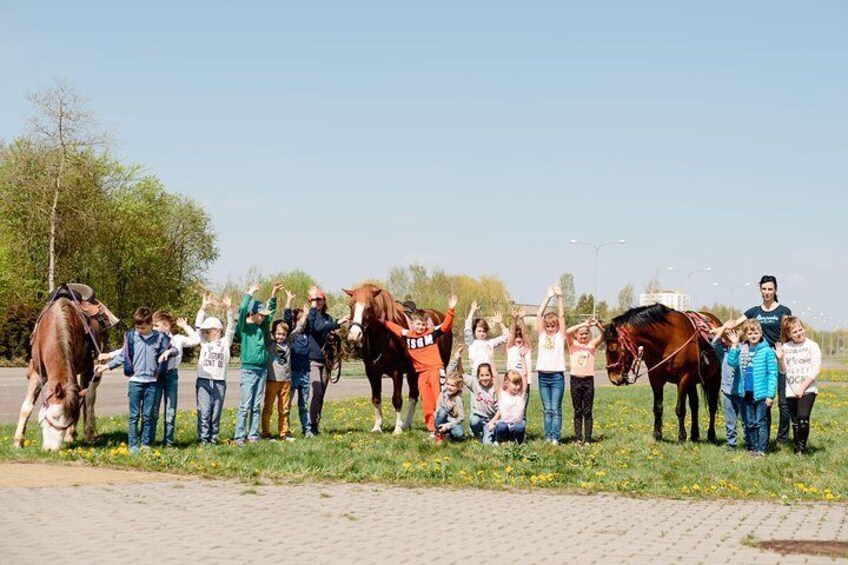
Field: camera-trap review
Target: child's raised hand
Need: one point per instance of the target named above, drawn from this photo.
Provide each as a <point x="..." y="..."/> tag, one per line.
<point x="592" y="322"/>
<point x="733" y="336"/>
<point x="276" y="288"/>
<point x="459" y="350"/>
<point x="550" y="292"/>
<point x="253" y="288"/>
<point x="498" y="317"/>
<point x="290" y="295"/>
<point x="453" y="302"/>
<point x="474" y="307"/>
<point x="182" y="322"/>
<point x="521" y="312"/>
<point x="557" y="290"/>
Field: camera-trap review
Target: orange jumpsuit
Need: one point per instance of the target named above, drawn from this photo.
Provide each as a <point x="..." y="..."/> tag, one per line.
<point x="423" y="349"/>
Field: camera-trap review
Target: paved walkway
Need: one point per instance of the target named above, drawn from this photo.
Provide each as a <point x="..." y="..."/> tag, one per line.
<point x="167" y="520"/>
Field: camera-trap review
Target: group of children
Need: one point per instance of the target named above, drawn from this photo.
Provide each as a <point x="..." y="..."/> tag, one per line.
<point x="751" y="370"/>
<point x="278" y="361"/>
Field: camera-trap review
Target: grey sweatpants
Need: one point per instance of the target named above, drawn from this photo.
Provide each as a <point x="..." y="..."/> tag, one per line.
<point x="210" y="402"/>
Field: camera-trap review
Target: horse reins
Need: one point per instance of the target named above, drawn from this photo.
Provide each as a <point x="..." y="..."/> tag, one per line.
<point x="46" y="417"/>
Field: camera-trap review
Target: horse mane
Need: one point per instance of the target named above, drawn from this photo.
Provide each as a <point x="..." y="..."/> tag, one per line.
<point x="384" y="305"/>
<point x="643" y="316"/>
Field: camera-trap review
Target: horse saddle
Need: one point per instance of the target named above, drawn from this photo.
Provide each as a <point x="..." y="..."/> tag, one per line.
<point x="408" y="306"/>
<point x="83" y="296"/>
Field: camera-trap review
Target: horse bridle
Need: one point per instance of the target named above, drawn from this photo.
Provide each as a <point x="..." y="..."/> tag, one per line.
<point x="367" y="342"/>
<point x="632" y="374"/>
<point x="46" y="418"/>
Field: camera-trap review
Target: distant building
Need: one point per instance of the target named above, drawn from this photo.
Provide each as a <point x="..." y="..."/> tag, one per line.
<point x="672" y="298"/>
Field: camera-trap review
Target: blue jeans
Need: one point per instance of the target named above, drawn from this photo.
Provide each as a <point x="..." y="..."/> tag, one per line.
<point x="755" y="415"/>
<point x="455" y="433"/>
<point x="477" y="423"/>
<point x="251" y="396"/>
<point x="210" y="403"/>
<point x="731" y="406"/>
<point x="168" y="392"/>
<point x="509" y="432"/>
<point x="300" y="385"/>
<point x="551" y="389"/>
<point x="143" y="403"/>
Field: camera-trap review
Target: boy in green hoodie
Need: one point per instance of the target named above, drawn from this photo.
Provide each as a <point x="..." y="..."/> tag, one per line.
<point x="254" y="326"/>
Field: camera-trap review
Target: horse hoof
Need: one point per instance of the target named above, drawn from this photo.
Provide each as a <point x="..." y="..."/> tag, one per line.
<point x="397" y="432"/>
<point x="17" y="444"/>
<point x="376" y="430"/>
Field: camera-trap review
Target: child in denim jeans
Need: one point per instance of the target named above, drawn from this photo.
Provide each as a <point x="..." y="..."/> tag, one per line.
<point x="211" y="384"/>
<point x="508" y="423"/>
<point x="757" y="364"/>
<point x="254" y="327"/>
<point x="145" y="360"/>
<point x="450" y="412"/>
<point x="300" y="363"/>
<point x="484" y="395"/>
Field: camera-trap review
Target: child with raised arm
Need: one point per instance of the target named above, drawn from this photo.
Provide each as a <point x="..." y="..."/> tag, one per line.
<point x="508" y="423"/>
<point x="300" y="363"/>
<point x="254" y="327"/>
<point x="800" y="360"/>
<point x="581" y="350"/>
<point x="757" y="365"/>
<point x="279" y="381"/>
<point x="211" y="385"/>
<point x="519" y="352"/>
<point x="451" y="411"/>
<point x="481" y="349"/>
<point x="484" y="395"/>
<point x="550" y="363"/>
<point x="422" y="346"/>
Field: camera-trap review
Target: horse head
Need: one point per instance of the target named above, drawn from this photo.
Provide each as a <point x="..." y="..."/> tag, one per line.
<point x="364" y="310"/>
<point x="59" y="412"/>
<point x="620" y="356"/>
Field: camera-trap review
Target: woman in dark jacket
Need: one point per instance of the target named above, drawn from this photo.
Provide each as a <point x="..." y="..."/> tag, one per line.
<point x="318" y="325"/>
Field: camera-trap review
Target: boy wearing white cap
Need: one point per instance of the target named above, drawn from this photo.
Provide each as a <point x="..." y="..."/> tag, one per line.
<point x="212" y="369"/>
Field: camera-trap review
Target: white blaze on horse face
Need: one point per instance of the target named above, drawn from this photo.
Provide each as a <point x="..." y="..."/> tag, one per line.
<point x="355" y="333"/>
<point x="51" y="437"/>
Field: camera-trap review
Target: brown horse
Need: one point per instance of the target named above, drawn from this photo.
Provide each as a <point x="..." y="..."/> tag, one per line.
<point x="673" y="348"/>
<point x="63" y="360"/>
<point x="385" y="354"/>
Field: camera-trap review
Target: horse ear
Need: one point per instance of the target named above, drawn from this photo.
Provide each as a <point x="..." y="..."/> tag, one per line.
<point x="348" y="292"/>
<point x="377" y="291"/>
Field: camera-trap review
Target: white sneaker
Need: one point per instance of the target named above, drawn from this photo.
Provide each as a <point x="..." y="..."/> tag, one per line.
<point x="554" y="441"/>
<point x="432" y="435"/>
<point x="289" y="438"/>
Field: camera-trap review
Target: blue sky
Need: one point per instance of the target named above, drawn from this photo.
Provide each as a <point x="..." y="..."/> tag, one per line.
<point x="345" y="138"/>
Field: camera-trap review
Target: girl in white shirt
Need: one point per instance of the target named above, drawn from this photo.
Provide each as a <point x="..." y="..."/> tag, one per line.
<point x="800" y="360"/>
<point x="550" y="363"/>
<point x="508" y="423"/>
<point x="481" y="349"/>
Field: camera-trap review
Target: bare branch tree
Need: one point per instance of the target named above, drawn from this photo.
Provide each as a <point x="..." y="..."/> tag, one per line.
<point x="63" y="126"/>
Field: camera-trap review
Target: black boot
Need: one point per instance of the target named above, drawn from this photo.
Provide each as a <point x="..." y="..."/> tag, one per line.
<point x="804" y="430"/>
<point x="796" y="435"/>
<point x="578" y="430"/>
<point x="588" y="437"/>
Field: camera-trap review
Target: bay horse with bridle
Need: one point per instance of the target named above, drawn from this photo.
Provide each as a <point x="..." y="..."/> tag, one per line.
<point x="383" y="353"/>
<point x="675" y="348"/>
<point x="65" y="344"/>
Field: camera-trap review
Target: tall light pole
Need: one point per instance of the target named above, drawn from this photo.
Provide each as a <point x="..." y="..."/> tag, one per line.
<point x="597" y="249"/>
<point x="732" y="287"/>
<point x="689" y="280"/>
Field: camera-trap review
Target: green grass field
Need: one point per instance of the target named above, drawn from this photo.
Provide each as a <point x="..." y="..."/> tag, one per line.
<point x="625" y="459"/>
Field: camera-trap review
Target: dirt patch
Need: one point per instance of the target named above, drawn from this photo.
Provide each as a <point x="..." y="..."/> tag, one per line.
<point x="35" y="475"/>
<point x="830" y="548"/>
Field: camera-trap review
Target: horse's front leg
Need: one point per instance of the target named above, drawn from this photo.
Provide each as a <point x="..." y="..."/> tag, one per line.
<point x="680" y="410"/>
<point x="375" y="379"/>
<point x="33" y="390"/>
<point x="658" y="410"/>
<point x="412" y="382"/>
<point x="397" y="401"/>
<point x="90" y="419"/>
<point x="695" y="434"/>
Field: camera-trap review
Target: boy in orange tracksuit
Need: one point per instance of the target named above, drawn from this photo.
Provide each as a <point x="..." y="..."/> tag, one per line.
<point x="423" y="348"/>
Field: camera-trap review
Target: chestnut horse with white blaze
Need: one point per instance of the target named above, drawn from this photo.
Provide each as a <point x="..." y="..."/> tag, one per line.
<point x="674" y="348"/>
<point x="63" y="364"/>
<point x="383" y="353"/>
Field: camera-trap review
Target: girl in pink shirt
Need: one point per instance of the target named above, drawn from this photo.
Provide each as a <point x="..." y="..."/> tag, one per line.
<point x="581" y="351"/>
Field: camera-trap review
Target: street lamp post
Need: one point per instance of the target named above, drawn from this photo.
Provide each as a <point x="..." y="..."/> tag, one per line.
<point x="597" y="249"/>
<point x="732" y="287"/>
<point x="689" y="280"/>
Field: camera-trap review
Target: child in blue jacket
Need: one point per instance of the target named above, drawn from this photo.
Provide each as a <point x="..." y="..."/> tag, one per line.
<point x="757" y="385"/>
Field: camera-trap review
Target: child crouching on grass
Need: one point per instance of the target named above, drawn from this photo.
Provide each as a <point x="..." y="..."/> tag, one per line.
<point x="451" y="412"/>
<point x="508" y="422"/>
<point x="484" y="395"/>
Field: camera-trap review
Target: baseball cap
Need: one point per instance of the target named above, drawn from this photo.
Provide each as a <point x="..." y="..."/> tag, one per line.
<point x="259" y="308"/>
<point x="211" y="323"/>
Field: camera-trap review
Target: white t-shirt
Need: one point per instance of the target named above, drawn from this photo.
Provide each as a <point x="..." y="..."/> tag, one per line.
<point x="551" y="356"/>
<point x="803" y="360"/>
<point x="215" y="355"/>
<point x="515" y="361"/>
<point x="511" y="407"/>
